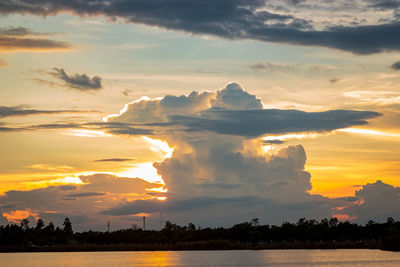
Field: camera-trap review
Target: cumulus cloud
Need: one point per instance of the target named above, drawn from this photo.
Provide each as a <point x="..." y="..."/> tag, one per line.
<point x="81" y="82"/>
<point x="216" y="165"/>
<point x="235" y="19"/>
<point x="375" y="201"/>
<point x="23" y="39"/>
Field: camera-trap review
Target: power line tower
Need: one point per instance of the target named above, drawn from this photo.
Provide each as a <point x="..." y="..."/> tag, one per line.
<point x="108" y="226"/>
<point x="144" y="223"/>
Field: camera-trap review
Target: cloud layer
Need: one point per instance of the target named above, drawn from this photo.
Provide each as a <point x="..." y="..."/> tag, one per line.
<point x="230" y="111"/>
<point x="241" y="19"/>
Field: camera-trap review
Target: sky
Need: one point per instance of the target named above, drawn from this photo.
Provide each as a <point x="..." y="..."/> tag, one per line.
<point x="210" y="112"/>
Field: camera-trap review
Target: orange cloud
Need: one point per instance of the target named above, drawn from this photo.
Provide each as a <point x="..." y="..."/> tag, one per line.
<point x="17" y="215"/>
<point x="344" y="217"/>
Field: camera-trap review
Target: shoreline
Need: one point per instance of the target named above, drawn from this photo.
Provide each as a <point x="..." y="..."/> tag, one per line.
<point x="195" y="246"/>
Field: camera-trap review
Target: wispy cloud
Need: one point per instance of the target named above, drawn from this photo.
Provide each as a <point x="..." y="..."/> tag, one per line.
<point x="51" y="167"/>
<point x="23" y="111"/>
<point x="23" y="39"/>
<point x="113" y="160"/>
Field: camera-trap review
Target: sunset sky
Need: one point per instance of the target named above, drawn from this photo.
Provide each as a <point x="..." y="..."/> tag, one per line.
<point x="225" y="110"/>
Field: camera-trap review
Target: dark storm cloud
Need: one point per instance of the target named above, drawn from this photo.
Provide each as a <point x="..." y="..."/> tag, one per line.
<point x="81" y="82"/>
<point x="19" y="38"/>
<point x="21" y="111"/>
<point x="230" y="19"/>
<point x="396" y="66"/>
<point x="252" y="123"/>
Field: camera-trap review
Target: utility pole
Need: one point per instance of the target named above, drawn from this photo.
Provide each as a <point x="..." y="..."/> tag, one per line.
<point x="108" y="226"/>
<point x="144" y="223"/>
<point x="160" y="221"/>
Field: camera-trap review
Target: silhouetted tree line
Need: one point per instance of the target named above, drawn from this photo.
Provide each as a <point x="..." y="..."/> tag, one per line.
<point x="252" y="232"/>
<point x="38" y="235"/>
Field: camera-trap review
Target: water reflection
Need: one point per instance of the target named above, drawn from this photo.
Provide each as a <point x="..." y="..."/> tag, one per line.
<point x="320" y="258"/>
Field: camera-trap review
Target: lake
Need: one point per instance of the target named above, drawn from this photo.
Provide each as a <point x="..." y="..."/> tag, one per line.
<point x="341" y="257"/>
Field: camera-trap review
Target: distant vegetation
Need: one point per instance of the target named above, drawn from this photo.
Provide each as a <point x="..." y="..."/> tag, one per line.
<point x="248" y="235"/>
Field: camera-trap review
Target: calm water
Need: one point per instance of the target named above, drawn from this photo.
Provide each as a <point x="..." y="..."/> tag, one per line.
<point x="206" y="258"/>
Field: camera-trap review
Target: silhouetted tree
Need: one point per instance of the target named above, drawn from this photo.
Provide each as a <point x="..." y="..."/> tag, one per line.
<point x="67" y="226"/>
<point x="25" y="224"/>
<point x="386" y="234"/>
<point x="39" y="225"/>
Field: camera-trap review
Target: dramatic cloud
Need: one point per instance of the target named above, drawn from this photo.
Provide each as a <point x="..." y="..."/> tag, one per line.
<point x="22" y="111"/>
<point x="81" y="82"/>
<point x="396" y="66"/>
<point x="218" y="163"/>
<point x="236" y="19"/>
<point x="22" y="39"/>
